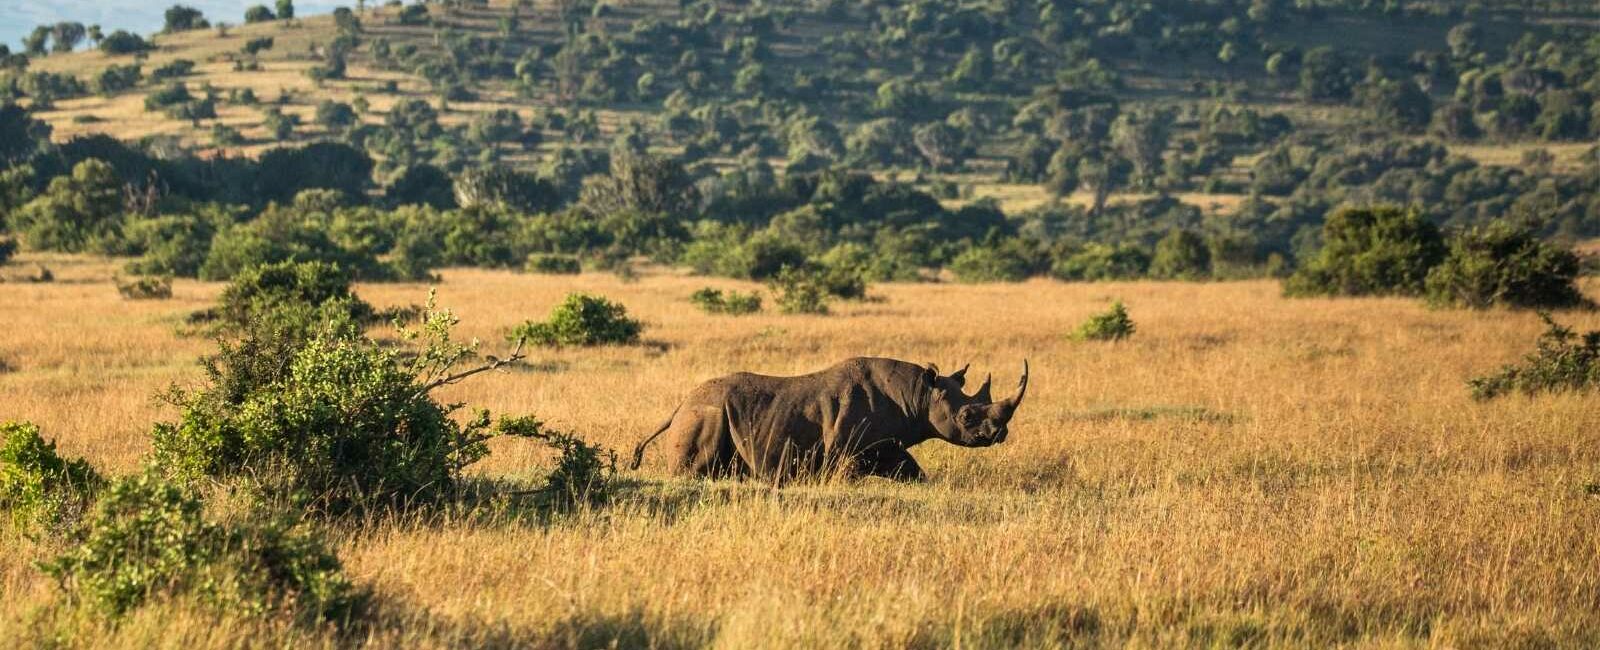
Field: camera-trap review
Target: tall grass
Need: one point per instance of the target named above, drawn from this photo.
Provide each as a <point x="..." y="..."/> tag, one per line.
<point x="1246" y="470"/>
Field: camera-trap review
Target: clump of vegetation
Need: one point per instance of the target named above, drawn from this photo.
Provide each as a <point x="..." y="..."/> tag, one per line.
<point x="150" y="538"/>
<point x="8" y="249"/>
<point x="583" y="472"/>
<point x="989" y="264"/>
<point x="553" y="264"/>
<point x="302" y="294"/>
<point x="582" y="320"/>
<point x="1504" y="265"/>
<point x="145" y="288"/>
<point x="1110" y="325"/>
<point x="1563" y="361"/>
<point x="1371" y="251"/>
<point x="800" y="291"/>
<point x="327" y="420"/>
<point x="40" y="489"/>
<point x="716" y="301"/>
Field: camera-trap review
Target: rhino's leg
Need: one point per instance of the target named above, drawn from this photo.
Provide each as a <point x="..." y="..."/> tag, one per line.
<point x="701" y="445"/>
<point x="890" y="461"/>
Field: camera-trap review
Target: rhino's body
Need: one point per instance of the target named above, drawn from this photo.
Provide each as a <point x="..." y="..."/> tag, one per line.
<point x="857" y="417"/>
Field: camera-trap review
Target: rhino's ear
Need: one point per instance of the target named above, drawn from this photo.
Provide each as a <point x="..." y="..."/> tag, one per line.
<point x="930" y="375"/>
<point x="933" y="368"/>
<point x="960" y="376"/>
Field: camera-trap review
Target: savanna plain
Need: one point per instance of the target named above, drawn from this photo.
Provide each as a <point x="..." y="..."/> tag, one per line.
<point x="1245" y="470"/>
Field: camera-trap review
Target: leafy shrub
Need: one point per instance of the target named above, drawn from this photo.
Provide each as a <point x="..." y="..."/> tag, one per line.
<point x="1370" y="251"/>
<point x="1504" y="265"/>
<point x="714" y="301"/>
<point x="281" y="235"/>
<point x="146" y="288"/>
<point x="1097" y="262"/>
<point x="553" y="264"/>
<point x="8" y="249"/>
<point x="291" y="293"/>
<point x="582" y="319"/>
<point x="989" y="264"/>
<point x="148" y="537"/>
<point x="1181" y="255"/>
<point x="583" y="473"/>
<point x="1563" y="361"/>
<point x="1110" y="325"/>
<point x="331" y="423"/>
<point x="39" y="488"/>
<point x="800" y="290"/>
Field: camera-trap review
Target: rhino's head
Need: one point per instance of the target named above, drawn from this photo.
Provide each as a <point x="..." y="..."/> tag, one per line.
<point x="969" y="420"/>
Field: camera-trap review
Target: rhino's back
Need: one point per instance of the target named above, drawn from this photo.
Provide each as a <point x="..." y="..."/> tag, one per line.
<point x="834" y="381"/>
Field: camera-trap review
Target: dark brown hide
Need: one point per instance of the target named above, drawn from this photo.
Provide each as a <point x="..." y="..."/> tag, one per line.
<point x="855" y="418"/>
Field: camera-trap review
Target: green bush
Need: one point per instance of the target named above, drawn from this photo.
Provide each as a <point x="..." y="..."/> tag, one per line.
<point x="1096" y="262"/>
<point x="989" y="264"/>
<point x="305" y="295"/>
<point x="1370" y="251"/>
<point x="553" y="264"/>
<point x="1110" y="325"/>
<point x="715" y="301"/>
<point x="583" y="473"/>
<point x="332" y="423"/>
<point x="146" y="288"/>
<point x="40" y="489"/>
<point x="8" y="249"/>
<point x="1181" y="255"/>
<point x="1563" y="361"/>
<point x="1506" y="266"/>
<point x="800" y="290"/>
<point x="584" y="320"/>
<point x="150" y="538"/>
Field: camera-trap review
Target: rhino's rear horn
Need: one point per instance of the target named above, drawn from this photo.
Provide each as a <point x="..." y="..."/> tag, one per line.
<point x="983" y="391"/>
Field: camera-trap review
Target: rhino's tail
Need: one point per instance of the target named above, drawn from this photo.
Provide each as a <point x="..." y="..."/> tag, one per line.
<point x="638" y="452"/>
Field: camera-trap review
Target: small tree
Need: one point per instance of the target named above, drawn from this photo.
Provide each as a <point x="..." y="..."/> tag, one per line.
<point x="1181" y="255"/>
<point x="582" y="320"/>
<point x="181" y="18"/>
<point x="1111" y="325"/>
<point x="1563" y="361"/>
<point x="40" y="489"/>
<point x="1370" y="251"/>
<point x="1504" y="265"/>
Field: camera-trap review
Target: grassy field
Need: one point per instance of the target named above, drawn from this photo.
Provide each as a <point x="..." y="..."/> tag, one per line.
<point x="1246" y="470"/>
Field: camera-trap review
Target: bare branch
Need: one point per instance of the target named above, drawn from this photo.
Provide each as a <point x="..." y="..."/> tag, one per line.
<point x="494" y="364"/>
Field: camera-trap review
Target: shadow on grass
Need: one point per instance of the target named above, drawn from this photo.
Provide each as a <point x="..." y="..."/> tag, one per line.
<point x="396" y="624"/>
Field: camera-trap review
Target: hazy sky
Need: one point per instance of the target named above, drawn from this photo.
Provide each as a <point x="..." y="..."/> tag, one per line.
<point x="18" y="17"/>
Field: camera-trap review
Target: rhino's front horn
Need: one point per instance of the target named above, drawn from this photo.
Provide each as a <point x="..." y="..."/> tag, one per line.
<point x="1008" y="406"/>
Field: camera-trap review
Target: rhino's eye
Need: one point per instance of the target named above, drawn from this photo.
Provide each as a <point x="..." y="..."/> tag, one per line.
<point x="970" y="416"/>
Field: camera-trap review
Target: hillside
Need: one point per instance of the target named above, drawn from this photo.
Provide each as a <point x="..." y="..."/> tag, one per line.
<point x="837" y="61"/>
<point x="1063" y="138"/>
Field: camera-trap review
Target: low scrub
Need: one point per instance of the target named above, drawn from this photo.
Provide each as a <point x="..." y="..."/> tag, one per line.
<point x="332" y="422"/>
<point x="149" y="538"/>
<point x="1376" y="251"/>
<point x="990" y="264"/>
<point x="800" y="291"/>
<point x="41" y="490"/>
<point x="1110" y="325"/>
<point x="1563" y="361"/>
<point x="145" y="288"/>
<point x="716" y="301"/>
<point x="553" y="264"/>
<point x="582" y="320"/>
<point x="294" y="295"/>
<point x="582" y="472"/>
<point x="1506" y="266"/>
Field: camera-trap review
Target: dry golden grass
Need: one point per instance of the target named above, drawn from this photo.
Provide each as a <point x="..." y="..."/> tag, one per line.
<point x="1245" y="470"/>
